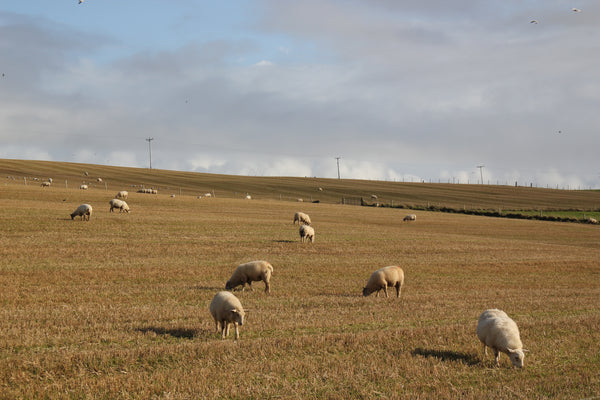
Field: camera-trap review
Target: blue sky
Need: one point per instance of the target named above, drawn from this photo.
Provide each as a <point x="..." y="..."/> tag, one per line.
<point x="401" y="90"/>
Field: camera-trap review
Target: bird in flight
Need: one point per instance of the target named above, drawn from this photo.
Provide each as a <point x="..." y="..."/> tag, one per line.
<point x="533" y="21"/>
<point x="80" y="1"/>
<point x="576" y="10"/>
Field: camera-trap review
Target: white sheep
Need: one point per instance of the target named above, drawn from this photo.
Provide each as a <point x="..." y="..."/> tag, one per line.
<point x="248" y="197"/>
<point x="123" y="194"/>
<point x="227" y="309"/>
<point x="301" y="218"/>
<point x="307" y="233"/>
<point x="207" y="194"/>
<point x="251" y="272"/>
<point x="119" y="204"/>
<point x="410" y="217"/>
<point x="392" y="276"/>
<point x="374" y="196"/>
<point x="495" y="329"/>
<point x="99" y="180"/>
<point x="45" y="184"/>
<point x="592" y="220"/>
<point x="83" y="187"/>
<point x="83" y="211"/>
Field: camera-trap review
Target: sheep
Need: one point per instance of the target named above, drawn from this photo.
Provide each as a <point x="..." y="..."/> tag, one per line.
<point x="374" y="196"/>
<point x="83" y="187"/>
<point x="120" y="204"/>
<point x="410" y="217"/>
<point x="392" y="276"/>
<point x="227" y="309"/>
<point x="307" y="233"/>
<point x="250" y="272"/>
<point x="82" y="211"/>
<point x="592" y="220"/>
<point x="248" y="197"/>
<point x="45" y="184"/>
<point x="495" y="329"/>
<point x="99" y="180"/>
<point x="50" y="180"/>
<point x="300" y="200"/>
<point x="123" y="194"/>
<point x="301" y="218"/>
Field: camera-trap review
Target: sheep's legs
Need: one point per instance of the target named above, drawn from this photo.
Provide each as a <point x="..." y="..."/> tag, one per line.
<point x="237" y="332"/>
<point x="497" y="357"/>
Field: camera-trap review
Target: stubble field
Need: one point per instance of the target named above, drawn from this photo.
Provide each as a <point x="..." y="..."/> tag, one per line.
<point x="117" y="307"/>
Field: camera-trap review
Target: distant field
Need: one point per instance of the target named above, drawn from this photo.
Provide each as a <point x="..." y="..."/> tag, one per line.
<point x="458" y="196"/>
<point x="117" y="307"/>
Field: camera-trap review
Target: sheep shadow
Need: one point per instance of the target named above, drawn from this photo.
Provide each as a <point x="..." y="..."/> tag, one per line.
<point x="446" y="355"/>
<point x="179" y="333"/>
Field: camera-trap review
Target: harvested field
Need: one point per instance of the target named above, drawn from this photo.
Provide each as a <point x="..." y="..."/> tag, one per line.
<point x="117" y="307"/>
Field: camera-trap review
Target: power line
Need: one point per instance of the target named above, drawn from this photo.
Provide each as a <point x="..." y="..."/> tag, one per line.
<point x="481" y="172"/>
<point x="149" y="140"/>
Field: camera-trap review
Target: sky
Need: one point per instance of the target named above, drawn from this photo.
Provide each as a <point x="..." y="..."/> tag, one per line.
<point x="421" y="90"/>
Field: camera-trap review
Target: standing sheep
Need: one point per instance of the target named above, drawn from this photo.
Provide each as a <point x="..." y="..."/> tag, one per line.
<point x="82" y="211"/>
<point x="227" y="309"/>
<point x="495" y="329"/>
<point x="83" y="187"/>
<point x="123" y="194"/>
<point x="120" y="204"/>
<point x="307" y="233"/>
<point x="251" y="272"/>
<point x="410" y="217"/>
<point x="301" y="218"/>
<point x="45" y="184"/>
<point x="392" y="276"/>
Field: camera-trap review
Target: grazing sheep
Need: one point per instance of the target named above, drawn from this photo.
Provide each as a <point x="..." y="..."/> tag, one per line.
<point x="45" y="184"/>
<point x="249" y="272"/>
<point x="99" y="180"/>
<point x="392" y="276"/>
<point x="495" y="329"/>
<point x="307" y="233"/>
<point x="207" y="194"/>
<point x="410" y="217"/>
<point x="120" y="204"/>
<point x="227" y="309"/>
<point x="83" y="211"/>
<point x="301" y="218"/>
<point x="123" y="194"/>
<point x="592" y="220"/>
<point x="374" y="196"/>
<point x="248" y="197"/>
<point x="83" y="187"/>
<point x="300" y="200"/>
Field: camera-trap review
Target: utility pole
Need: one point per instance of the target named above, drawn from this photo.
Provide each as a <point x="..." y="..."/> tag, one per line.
<point x="149" y="140"/>
<point x="338" y="165"/>
<point x="481" y="172"/>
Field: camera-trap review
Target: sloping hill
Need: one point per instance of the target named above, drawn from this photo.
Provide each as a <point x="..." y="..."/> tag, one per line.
<point x="458" y="196"/>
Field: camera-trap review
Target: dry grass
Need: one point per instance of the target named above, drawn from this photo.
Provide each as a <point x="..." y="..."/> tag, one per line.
<point x="118" y="307"/>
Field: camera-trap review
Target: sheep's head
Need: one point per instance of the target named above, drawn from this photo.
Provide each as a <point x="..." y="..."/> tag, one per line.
<point x="238" y="316"/>
<point x="516" y="357"/>
<point x="366" y="291"/>
<point x="229" y="285"/>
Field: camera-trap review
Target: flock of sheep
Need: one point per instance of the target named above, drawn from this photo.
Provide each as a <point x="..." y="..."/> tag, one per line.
<point x="495" y="329"/>
<point x="84" y="211"/>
